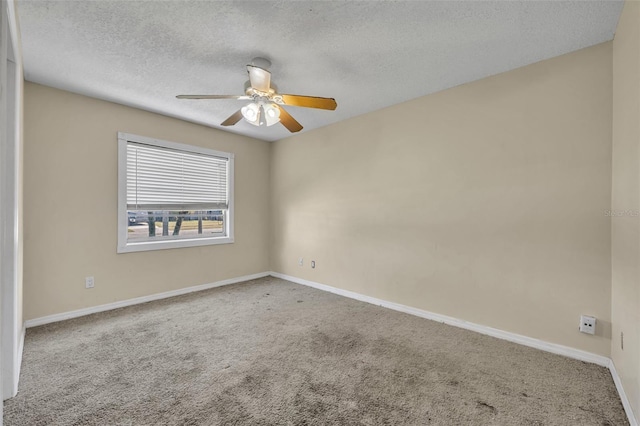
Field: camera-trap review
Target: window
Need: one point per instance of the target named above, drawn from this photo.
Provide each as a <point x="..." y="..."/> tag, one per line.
<point x="172" y="195"/>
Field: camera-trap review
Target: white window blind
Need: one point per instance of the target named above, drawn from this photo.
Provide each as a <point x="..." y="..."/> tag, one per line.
<point x="169" y="179"/>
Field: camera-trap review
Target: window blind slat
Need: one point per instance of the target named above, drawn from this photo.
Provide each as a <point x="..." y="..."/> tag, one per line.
<point x="177" y="207"/>
<point x="161" y="178"/>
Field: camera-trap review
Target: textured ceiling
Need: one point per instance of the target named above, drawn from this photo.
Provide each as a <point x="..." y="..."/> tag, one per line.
<point x="367" y="55"/>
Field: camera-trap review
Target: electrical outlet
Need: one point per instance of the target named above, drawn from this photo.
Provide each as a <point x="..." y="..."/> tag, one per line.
<point x="300" y="261"/>
<point x="313" y="264"/>
<point x="587" y="324"/>
<point x="89" y="282"/>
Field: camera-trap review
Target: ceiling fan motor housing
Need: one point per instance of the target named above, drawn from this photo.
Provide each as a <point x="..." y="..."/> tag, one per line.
<point x="265" y="100"/>
<point x="263" y="63"/>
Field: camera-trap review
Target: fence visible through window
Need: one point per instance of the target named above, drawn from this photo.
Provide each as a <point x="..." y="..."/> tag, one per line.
<point x="166" y="224"/>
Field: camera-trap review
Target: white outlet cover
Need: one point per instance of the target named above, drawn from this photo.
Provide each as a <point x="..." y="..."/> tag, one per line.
<point x="587" y="324"/>
<point x="89" y="282"/>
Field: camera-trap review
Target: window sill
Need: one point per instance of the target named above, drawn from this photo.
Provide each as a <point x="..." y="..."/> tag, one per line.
<point x="171" y="244"/>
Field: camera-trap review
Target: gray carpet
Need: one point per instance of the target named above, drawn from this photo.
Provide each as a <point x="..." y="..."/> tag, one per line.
<point x="270" y="352"/>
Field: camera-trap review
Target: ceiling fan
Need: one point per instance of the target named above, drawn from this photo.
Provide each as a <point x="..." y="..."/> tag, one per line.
<point x="266" y="103"/>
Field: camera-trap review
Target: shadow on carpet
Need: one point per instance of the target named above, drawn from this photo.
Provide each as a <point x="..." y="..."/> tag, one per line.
<point x="270" y="352"/>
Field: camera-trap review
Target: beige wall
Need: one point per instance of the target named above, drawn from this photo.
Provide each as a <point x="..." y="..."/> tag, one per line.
<point x="485" y="202"/>
<point x="70" y="206"/>
<point x="625" y="229"/>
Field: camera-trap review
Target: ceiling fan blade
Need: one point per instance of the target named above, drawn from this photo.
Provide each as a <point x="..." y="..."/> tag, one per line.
<point x="235" y="117"/>
<point x="238" y="97"/>
<point x="260" y="78"/>
<point x="309" y="102"/>
<point x="288" y="121"/>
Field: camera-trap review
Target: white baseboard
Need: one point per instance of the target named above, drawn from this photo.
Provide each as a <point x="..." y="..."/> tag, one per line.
<point x="623" y="395"/>
<point x="500" y="334"/>
<point x="494" y="332"/>
<point x="138" y="300"/>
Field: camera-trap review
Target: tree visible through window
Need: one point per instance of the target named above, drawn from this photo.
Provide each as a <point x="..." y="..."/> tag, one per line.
<point x="172" y="195"/>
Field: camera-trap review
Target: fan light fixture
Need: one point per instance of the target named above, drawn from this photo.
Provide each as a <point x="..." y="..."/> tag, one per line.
<point x="266" y="107"/>
<point x="255" y="111"/>
<point x="251" y="113"/>
<point x="271" y="114"/>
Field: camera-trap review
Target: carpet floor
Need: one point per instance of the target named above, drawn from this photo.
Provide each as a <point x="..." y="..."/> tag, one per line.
<point x="270" y="352"/>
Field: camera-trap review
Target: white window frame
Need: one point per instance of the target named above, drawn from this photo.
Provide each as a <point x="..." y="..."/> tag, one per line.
<point x="125" y="246"/>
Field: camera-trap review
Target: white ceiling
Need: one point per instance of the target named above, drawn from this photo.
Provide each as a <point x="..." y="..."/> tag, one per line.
<point x="367" y="54"/>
